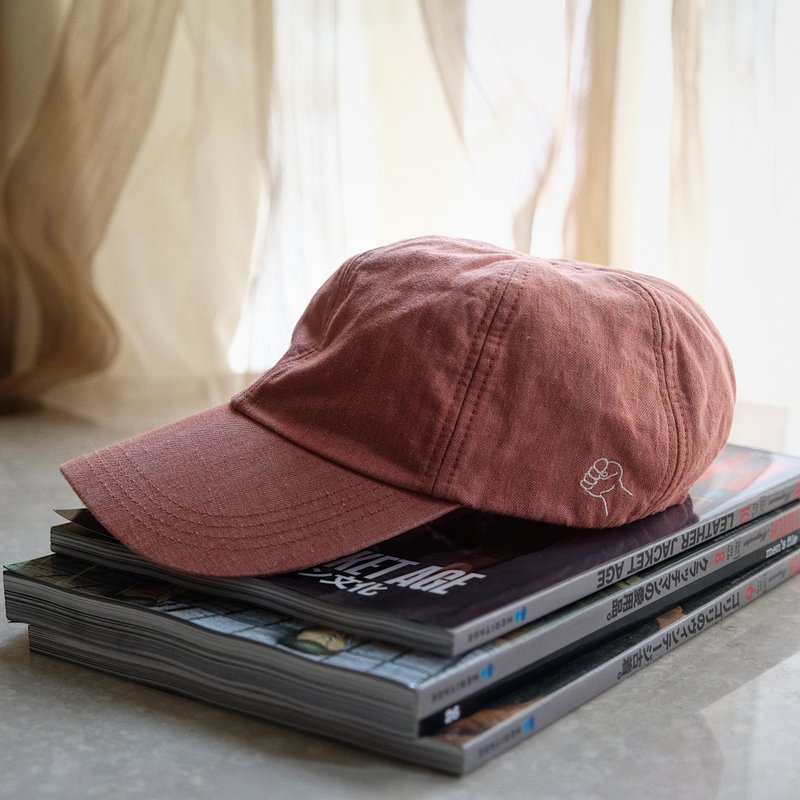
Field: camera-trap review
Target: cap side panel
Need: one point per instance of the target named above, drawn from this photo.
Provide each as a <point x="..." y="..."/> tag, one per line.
<point x="565" y="387"/>
<point x="383" y="394"/>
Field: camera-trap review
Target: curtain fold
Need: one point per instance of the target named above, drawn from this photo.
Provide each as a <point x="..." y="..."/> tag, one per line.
<point x="506" y="80"/>
<point x="129" y="201"/>
<point x="587" y="223"/>
<point x="688" y="189"/>
<point x="62" y="185"/>
<point x="302" y="220"/>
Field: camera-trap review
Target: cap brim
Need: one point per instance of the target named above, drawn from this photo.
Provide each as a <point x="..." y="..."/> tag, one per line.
<point x="219" y="494"/>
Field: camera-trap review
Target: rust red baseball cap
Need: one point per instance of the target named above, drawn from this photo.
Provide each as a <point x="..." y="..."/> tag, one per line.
<point x="424" y="376"/>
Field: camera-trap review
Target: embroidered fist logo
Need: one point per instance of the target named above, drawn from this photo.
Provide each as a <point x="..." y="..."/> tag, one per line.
<point x="602" y="478"/>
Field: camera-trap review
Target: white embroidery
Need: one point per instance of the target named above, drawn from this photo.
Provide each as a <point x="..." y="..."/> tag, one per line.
<point x="601" y="478"/>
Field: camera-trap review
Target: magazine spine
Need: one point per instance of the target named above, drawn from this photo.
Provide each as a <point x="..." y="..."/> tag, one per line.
<point x="461" y="691"/>
<point x="538" y="714"/>
<point x="436" y="751"/>
<point x="514" y="615"/>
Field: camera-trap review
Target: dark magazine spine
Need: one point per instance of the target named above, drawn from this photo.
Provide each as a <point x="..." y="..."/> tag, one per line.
<point x="529" y="718"/>
<point x="512" y="616"/>
<point x="596" y="619"/>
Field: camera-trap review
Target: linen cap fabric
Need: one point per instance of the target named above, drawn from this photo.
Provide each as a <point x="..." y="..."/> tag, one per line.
<point x="424" y="376"/>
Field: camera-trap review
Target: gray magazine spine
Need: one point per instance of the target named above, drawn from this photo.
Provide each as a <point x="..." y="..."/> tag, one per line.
<point x="762" y="539"/>
<point x="511" y="616"/>
<point x="539" y="714"/>
<point x="436" y="751"/>
<point x="460" y="687"/>
<point x="457" y="688"/>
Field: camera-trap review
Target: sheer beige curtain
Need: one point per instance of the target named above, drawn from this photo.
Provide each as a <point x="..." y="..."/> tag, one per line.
<point x="133" y="132"/>
<point x="179" y="176"/>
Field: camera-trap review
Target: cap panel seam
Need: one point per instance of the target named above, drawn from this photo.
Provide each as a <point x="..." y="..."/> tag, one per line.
<point x="674" y="391"/>
<point x="347" y="276"/>
<point x="347" y="271"/>
<point x="448" y="482"/>
<point x="276" y="371"/>
<point x="662" y="334"/>
<point x="450" y="419"/>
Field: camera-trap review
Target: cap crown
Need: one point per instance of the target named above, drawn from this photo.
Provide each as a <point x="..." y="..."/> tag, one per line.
<point x="554" y="390"/>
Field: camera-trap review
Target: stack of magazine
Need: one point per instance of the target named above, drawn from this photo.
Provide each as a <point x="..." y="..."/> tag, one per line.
<point x="444" y="646"/>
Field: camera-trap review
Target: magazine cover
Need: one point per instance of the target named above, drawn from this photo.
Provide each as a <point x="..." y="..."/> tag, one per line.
<point x="468" y="578"/>
<point x="469" y="741"/>
<point x="429" y="690"/>
<point x="447" y="681"/>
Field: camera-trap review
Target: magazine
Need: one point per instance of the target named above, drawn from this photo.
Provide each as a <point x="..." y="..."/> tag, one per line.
<point x="410" y="692"/>
<point x="466" y="744"/>
<point x="470" y="577"/>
